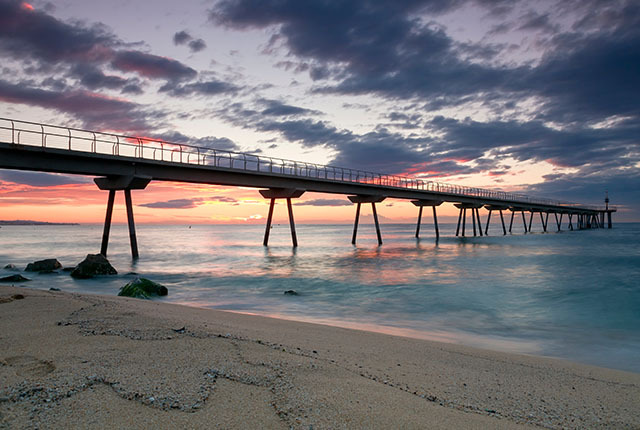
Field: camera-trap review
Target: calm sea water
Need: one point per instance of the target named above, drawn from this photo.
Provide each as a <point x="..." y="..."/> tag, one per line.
<point x="574" y="295"/>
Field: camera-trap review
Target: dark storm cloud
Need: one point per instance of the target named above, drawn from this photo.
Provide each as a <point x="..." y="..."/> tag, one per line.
<point x="36" y="179"/>
<point x="325" y="202"/>
<point x="94" y="110"/>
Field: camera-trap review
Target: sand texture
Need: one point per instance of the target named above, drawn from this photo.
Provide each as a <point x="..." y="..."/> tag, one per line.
<point x="83" y="361"/>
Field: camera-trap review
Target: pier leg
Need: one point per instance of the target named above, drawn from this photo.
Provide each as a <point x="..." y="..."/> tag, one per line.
<point x="435" y="223"/>
<point x="459" y="220"/>
<point x="464" y="220"/>
<point x="107" y="223"/>
<point x="609" y="219"/>
<point x="265" y="242"/>
<point x="486" y="229"/>
<point x="292" y="224"/>
<point x="544" y="226"/>
<point x="132" y="225"/>
<point x="355" y="224"/>
<point x="570" y="222"/>
<point x="375" y="218"/>
<point x="557" y="222"/>
<point x="419" y="221"/>
<point x="513" y="213"/>
<point x="473" y="218"/>
<point x="504" y="230"/>
<point x="524" y="222"/>
<point x="530" y="221"/>
<point x="479" y="223"/>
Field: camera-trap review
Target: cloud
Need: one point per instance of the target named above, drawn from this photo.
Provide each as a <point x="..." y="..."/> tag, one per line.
<point x="278" y="108"/>
<point x="173" y="204"/>
<point x="35" y="34"/>
<point x="36" y="179"/>
<point x="94" y="110"/>
<point x="152" y="66"/>
<point x="325" y="202"/>
<point x="203" y="88"/>
<point x="181" y="37"/>
<point x="197" y="45"/>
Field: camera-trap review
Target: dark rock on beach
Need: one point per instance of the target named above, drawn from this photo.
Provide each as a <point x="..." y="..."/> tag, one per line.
<point x="93" y="265"/>
<point x="142" y="288"/>
<point x="291" y="293"/>
<point x="49" y="264"/>
<point x="14" y="278"/>
<point x="10" y="267"/>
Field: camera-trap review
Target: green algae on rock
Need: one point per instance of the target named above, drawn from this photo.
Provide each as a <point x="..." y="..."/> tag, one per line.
<point x="142" y="288"/>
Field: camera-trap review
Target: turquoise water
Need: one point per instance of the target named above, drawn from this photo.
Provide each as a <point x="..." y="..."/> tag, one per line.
<point x="573" y="295"/>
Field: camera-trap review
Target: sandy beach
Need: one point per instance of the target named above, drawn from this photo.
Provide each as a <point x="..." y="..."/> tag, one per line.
<point x="83" y="361"/>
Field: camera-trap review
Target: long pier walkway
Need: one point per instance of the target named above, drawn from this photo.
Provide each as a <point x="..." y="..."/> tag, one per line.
<point x="125" y="163"/>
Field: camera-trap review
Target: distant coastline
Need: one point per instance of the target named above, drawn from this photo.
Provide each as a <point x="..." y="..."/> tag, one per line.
<point x="27" y="222"/>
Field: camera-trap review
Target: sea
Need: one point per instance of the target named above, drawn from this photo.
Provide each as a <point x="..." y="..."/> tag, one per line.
<point x="572" y="294"/>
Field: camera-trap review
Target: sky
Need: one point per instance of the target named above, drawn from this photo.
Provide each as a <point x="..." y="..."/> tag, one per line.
<point x="536" y="97"/>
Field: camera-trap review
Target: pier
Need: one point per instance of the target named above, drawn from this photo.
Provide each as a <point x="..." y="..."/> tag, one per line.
<point x="126" y="163"/>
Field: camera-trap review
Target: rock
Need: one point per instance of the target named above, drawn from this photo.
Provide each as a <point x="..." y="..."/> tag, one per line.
<point x="93" y="265"/>
<point x="54" y="289"/>
<point x="43" y="265"/>
<point x="17" y="297"/>
<point x="291" y="293"/>
<point x="142" y="288"/>
<point x="10" y="267"/>
<point x="14" y="278"/>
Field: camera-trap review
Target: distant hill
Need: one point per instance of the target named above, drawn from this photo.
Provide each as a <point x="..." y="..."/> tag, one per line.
<point x="27" y="222"/>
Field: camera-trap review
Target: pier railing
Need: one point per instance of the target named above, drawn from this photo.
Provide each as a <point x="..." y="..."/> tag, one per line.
<point x="50" y="136"/>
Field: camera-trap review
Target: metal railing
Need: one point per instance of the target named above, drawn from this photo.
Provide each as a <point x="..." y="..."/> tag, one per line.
<point x="51" y="136"/>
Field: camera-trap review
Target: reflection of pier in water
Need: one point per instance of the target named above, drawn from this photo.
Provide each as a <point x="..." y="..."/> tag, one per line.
<point x="125" y="163"/>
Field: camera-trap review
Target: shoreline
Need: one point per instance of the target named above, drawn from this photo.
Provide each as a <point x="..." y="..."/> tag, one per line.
<point x="76" y="360"/>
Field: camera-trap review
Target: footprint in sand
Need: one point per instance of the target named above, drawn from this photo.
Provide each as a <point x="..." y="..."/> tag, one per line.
<point x="28" y="366"/>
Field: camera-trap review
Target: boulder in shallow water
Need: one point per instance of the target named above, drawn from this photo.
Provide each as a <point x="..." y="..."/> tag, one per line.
<point x="14" y="278"/>
<point x="10" y="267"/>
<point x="50" y="264"/>
<point x="142" y="288"/>
<point x="93" y="265"/>
<point x="291" y="293"/>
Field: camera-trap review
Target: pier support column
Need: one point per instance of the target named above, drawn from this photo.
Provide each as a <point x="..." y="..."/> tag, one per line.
<point x="126" y="184"/>
<point x="477" y="210"/>
<point x="359" y="199"/>
<point x="544" y="222"/>
<point x="524" y="222"/>
<point x="530" y="221"/>
<point x="433" y="204"/>
<point x="609" y="219"/>
<point x="492" y="208"/>
<point x="107" y="223"/>
<point x="281" y="193"/>
<point x="475" y="217"/>
<point x="486" y="229"/>
<point x="355" y="224"/>
<point x="511" y="222"/>
<point x="570" y="221"/>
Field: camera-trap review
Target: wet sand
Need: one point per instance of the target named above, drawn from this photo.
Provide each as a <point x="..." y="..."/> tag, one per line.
<point x="83" y="361"/>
